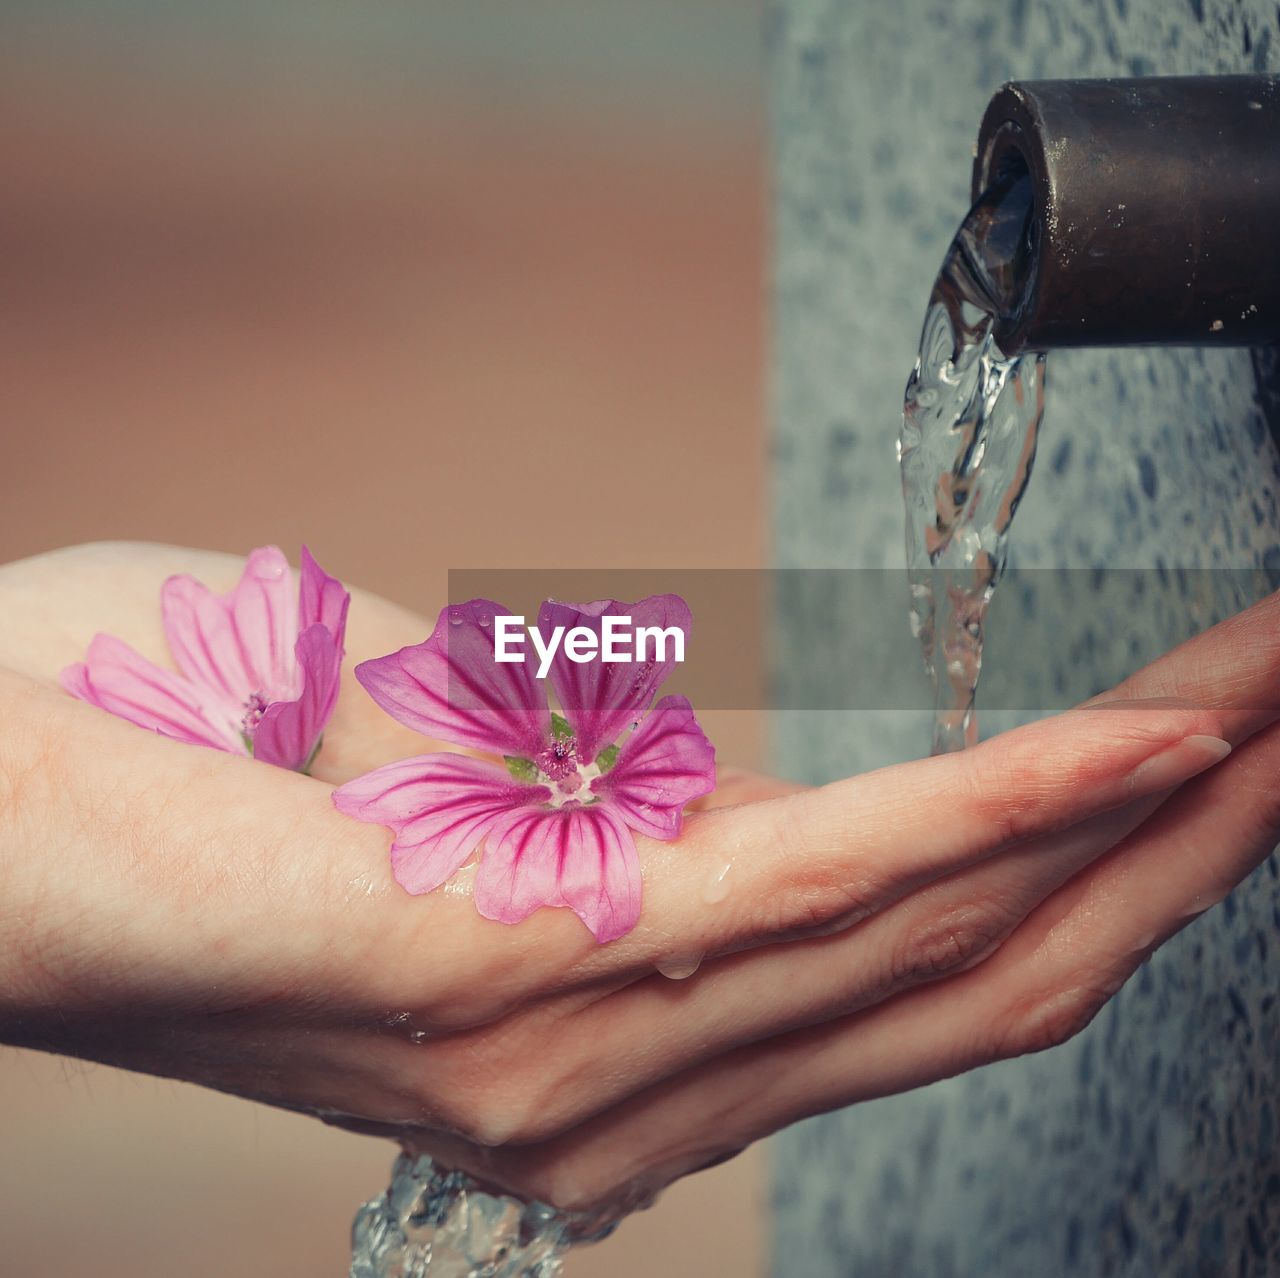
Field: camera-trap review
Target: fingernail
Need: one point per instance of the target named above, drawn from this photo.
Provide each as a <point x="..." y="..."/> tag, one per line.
<point x="1179" y="763"/>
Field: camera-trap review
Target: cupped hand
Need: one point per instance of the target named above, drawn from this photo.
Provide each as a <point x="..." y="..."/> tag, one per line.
<point x="184" y="912"/>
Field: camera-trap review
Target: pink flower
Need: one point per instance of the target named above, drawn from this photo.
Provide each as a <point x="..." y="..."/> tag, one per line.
<point x="259" y="667"/>
<point x="556" y="821"/>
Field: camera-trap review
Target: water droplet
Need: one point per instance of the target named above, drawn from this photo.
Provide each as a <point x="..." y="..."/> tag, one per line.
<point x="463" y="882"/>
<point x="403" y="1025"/>
<point x="716" y="888"/>
<point x="484" y="622"/>
<point x="455" y="618"/>
<point x="679" y="967"/>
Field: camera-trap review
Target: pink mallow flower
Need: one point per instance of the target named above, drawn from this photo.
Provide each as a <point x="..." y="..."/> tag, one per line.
<point x="258" y="668"/>
<point x="556" y="816"/>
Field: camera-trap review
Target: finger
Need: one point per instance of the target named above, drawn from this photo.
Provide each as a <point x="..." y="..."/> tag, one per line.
<point x="1042" y="986"/>
<point x="609" y="1048"/>
<point x="1086" y="940"/>
<point x="1232" y="666"/>
<point x="820" y="859"/>
<point x="825" y="858"/>
<point x="799" y="865"/>
<point x="1229" y="669"/>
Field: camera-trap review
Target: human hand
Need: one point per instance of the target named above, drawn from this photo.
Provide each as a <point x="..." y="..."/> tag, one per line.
<point x="186" y="913"/>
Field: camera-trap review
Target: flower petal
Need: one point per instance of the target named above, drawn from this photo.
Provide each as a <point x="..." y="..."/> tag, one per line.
<point x="323" y="600"/>
<point x="601" y="698"/>
<point x="453" y="688"/>
<point x="440" y="807"/>
<point x="289" y="731"/>
<point x="264" y="612"/>
<point x="197" y="625"/>
<point x="117" y="679"/>
<point x="665" y="764"/>
<point x="239" y="643"/>
<point x="580" y="857"/>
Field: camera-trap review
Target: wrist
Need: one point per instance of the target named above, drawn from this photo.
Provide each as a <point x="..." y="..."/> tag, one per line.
<point x="31" y="775"/>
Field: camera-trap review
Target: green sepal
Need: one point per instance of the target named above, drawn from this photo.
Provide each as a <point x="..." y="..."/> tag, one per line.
<point x="607" y="758"/>
<point x="560" y="728"/>
<point x="311" y="758"/>
<point x="520" y="768"/>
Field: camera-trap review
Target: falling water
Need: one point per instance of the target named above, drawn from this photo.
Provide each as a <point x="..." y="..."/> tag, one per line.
<point x="969" y="426"/>
<point x="968" y="441"/>
<point x="436" y="1223"/>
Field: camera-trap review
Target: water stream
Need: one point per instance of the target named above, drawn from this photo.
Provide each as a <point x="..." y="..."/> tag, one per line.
<point x="436" y="1223"/>
<point x="969" y="425"/>
<point x="968" y="442"/>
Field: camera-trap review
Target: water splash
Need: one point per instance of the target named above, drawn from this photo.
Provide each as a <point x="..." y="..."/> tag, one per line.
<point x="433" y="1223"/>
<point x="969" y="426"/>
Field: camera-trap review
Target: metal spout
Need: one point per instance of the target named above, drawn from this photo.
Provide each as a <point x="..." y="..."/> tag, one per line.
<point x="1155" y="210"/>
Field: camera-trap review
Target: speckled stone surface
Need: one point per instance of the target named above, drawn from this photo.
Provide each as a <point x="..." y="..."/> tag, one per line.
<point x="1147" y="1147"/>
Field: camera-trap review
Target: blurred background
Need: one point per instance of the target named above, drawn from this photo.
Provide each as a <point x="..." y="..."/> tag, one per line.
<point x="452" y="285"/>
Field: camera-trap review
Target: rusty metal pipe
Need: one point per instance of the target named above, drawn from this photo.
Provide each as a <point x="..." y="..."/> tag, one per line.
<point x="1155" y="210"/>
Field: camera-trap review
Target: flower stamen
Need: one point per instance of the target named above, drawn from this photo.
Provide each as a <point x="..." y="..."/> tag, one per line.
<point x="255" y="707"/>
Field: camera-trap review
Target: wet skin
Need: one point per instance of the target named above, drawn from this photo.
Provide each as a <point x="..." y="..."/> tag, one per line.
<point x="189" y="913"/>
